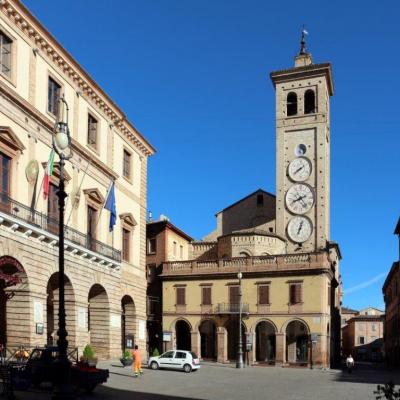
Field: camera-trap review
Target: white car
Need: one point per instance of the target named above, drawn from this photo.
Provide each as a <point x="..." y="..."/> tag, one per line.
<point x="176" y="359"/>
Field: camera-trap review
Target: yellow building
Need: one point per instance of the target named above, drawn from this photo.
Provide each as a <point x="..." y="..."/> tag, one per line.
<point x="290" y="288"/>
<point x="105" y="272"/>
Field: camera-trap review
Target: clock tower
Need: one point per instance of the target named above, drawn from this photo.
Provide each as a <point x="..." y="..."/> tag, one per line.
<point x="303" y="153"/>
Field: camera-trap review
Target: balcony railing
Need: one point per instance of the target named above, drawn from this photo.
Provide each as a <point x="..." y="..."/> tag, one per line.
<point x="42" y="221"/>
<point x="231" y="308"/>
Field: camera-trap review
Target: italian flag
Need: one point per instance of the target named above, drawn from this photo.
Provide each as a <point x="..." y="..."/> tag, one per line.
<point x="47" y="174"/>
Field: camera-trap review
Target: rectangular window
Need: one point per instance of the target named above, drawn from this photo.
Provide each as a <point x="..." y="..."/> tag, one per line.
<point x="5" y="165"/>
<point x="263" y="294"/>
<point x="54" y="94"/>
<point x="180" y="296"/>
<point x="174" y="248"/>
<point x="92" y="131"/>
<point x="127" y="164"/>
<point x="5" y="54"/>
<point x="233" y="294"/>
<point x="361" y="340"/>
<point x="151" y="246"/>
<point x="126" y="241"/>
<point x="206" y="296"/>
<point x="373" y="327"/>
<point x="295" y="295"/>
<point x="91" y="222"/>
<point x="181" y="251"/>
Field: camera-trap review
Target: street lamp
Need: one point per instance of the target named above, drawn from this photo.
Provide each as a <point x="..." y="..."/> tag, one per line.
<point x="239" y="361"/>
<point x="61" y="142"/>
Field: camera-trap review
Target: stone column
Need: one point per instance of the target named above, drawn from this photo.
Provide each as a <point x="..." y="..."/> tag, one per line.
<point x="252" y="353"/>
<point x="222" y="345"/>
<point x="195" y="339"/>
<point x="280" y="357"/>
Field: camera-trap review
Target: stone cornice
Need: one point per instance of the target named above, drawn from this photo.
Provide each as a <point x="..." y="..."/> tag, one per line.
<point x="67" y="66"/>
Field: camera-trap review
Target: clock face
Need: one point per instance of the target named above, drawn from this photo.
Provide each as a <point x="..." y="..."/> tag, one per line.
<point x="299" y="198"/>
<point x="299" y="229"/>
<point x="299" y="169"/>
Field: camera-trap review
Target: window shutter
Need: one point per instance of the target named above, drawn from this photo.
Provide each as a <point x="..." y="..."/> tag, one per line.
<point x="292" y="294"/>
<point x="180" y="296"/>
<point x="298" y="293"/>
<point x="234" y="294"/>
<point x="206" y="296"/>
<point x="263" y="294"/>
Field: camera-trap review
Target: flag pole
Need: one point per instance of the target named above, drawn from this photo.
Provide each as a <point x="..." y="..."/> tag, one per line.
<point x="105" y="200"/>
<point x="79" y="189"/>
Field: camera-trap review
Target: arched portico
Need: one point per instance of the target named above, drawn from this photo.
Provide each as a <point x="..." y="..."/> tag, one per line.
<point x="99" y="321"/>
<point x="232" y="329"/>
<point x="128" y="320"/>
<point x="208" y="339"/>
<point x="265" y="351"/>
<point x="183" y="335"/>
<point x="53" y="308"/>
<point x="297" y="342"/>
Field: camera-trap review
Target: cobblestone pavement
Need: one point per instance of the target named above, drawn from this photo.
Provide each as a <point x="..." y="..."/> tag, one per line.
<point x="215" y="381"/>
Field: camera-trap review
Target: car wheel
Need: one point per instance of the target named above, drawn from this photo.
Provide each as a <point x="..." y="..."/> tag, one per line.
<point x="154" y="365"/>
<point x="187" y="368"/>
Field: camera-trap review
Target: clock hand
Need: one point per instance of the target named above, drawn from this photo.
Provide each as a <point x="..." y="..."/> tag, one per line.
<point x="300" y="226"/>
<point x="298" y="170"/>
<point x="298" y="199"/>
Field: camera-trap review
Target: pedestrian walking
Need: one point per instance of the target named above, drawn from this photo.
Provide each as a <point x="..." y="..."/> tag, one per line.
<point x="137" y="361"/>
<point x="349" y="363"/>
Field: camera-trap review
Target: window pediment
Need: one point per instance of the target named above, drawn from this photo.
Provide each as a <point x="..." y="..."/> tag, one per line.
<point x="128" y="220"/>
<point x="9" y="139"/>
<point x="94" y="197"/>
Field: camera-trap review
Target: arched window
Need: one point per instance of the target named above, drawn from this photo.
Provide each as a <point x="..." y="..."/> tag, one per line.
<point x="291" y="104"/>
<point x="309" y="102"/>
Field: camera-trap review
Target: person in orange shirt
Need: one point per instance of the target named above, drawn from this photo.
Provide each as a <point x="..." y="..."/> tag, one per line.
<point x="137" y="361"/>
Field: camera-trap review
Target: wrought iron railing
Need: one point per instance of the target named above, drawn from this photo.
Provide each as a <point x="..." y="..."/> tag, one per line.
<point x="231" y="308"/>
<point x="50" y="224"/>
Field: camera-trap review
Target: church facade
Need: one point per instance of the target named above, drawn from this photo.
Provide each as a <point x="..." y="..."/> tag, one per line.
<point x="289" y="288"/>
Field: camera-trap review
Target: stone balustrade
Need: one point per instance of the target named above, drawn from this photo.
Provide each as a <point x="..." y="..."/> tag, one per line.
<point x="318" y="260"/>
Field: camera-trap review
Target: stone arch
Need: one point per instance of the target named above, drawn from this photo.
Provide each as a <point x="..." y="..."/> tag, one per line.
<point x="52" y="308"/>
<point x="309" y="102"/>
<point x="173" y="323"/>
<point x="231" y="327"/>
<point x="183" y="335"/>
<point x="245" y="253"/>
<point x="297" y="341"/>
<point x="291" y="104"/>
<point x="208" y="339"/>
<point x="254" y="326"/>
<point x="265" y="341"/>
<point x="128" y="320"/>
<point x="15" y="313"/>
<point x="99" y="321"/>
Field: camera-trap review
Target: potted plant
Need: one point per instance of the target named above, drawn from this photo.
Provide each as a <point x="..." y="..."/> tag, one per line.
<point x="126" y="358"/>
<point x="89" y="356"/>
<point x="156" y="353"/>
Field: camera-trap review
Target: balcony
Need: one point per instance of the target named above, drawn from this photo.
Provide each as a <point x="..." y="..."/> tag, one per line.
<point x="19" y="217"/>
<point x="231" y="308"/>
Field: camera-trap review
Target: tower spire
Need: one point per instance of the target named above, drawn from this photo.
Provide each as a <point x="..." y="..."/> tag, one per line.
<point x="303" y="58"/>
<point x="303" y="42"/>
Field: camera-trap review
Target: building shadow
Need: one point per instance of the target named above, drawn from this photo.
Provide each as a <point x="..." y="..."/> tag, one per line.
<point x="369" y="373"/>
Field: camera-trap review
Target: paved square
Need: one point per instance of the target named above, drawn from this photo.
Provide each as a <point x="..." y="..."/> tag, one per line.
<point x="214" y="381"/>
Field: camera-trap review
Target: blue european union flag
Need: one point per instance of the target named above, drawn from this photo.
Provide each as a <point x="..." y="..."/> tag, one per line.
<point x="110" y="205"/>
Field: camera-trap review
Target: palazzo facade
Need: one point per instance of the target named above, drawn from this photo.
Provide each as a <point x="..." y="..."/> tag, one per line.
<point x="290" y="287"/>
<point x="105" y="279"/>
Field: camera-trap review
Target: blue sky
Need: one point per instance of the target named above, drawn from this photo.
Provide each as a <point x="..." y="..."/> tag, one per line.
<point x="193" y="76"/>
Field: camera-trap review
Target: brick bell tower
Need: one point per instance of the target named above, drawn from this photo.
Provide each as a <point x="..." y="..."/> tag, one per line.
<point x="303" y="152"/>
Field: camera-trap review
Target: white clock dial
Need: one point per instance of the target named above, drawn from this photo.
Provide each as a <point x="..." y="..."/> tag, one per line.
<point x="299" y="229"/>
<point x="299" y="198"/>
<point x="299" y="169"/>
